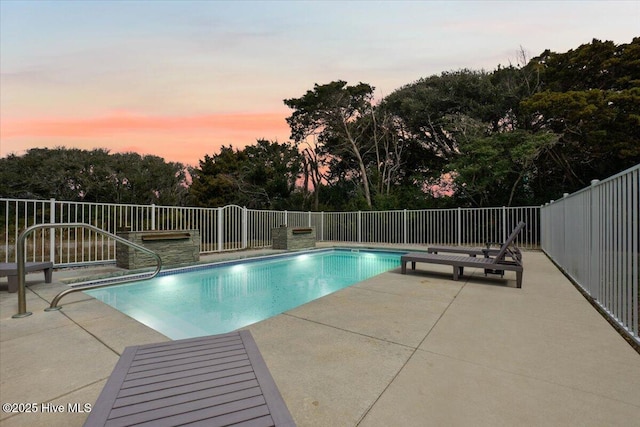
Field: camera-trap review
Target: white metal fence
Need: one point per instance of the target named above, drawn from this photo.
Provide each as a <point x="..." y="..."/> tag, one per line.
<point x="234" y="227"/>
<point x="594" y="236"/>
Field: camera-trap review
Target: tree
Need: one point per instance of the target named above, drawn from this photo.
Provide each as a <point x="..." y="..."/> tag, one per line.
<point x="496" y="170"/>
<point x="214" y="183"/>
<point x="592" y="101"/>
<point x="313" y="162"/>
<point x="333" y="113"/>
<point x="148" y="179"/>
<point x="260" y="176"/>
<point x="271" y="173"/>
<point x="92" y="176"/>
<point x="424" y="107"/>
<point x="423" y="114"/>
<point x="442" y="119"/>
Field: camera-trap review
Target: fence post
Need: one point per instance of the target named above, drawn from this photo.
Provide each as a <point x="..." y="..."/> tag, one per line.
<point x="635" y="243"/>
<point x="459" y="221"/>
<point x="52" y="231"/>
<point x="564" y="229"/>
<point x="359" y="226"/>
<point x="406" y="226"/>
<point x="153" y="216"/>
<point x="286" y="219"/>
<point x="309" y="218"/>
<point x="543" y="227"/>
<point x="322" y="226"/>
<point x="220" y="219"/>
<point x="504" y="224"/>
<point x="594" y="242"/>
<point x="244" y="227"/>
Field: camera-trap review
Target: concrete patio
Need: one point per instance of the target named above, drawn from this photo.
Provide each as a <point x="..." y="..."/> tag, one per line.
<point x="395" y="350"/>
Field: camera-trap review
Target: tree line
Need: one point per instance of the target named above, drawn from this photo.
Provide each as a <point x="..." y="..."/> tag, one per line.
<point x="92" y="176"/>
<point x="518" y="135"/>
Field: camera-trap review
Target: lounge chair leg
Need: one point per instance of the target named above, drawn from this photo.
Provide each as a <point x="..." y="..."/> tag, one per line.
<point x="519" y="279"/>
<point x="457" y="272"/>
<point x="13" y="284"/>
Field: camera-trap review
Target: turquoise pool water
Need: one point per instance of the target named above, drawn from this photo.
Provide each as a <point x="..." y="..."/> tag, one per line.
<point x="219" y="299"/>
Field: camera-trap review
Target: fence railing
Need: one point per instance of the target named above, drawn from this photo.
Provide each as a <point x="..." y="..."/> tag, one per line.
<point x="594" y="236"/>
<point x="233" y="227"/>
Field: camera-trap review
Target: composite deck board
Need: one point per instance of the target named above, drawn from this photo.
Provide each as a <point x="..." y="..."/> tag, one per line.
<point x="167" y="375"/>
<point x="210" y="362"/>
<point x="223" y="420"/>
<point x="247" y="389"/>
<point x="214" y="371"/>
<point x="189" y="363"/>
<point x="209" y="381"/>
<point x="189" y="412"/>
<point x="188" y="349"/>
<point x="187" y="354"/>
<point x="138" y="372"/>
<point x="188" y="343"/>
<point x="128" y="398"/>
<point x="265" y="421"/>
<point x="201" y="358"/>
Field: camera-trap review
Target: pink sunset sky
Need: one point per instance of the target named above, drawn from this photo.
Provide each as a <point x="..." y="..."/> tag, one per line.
<point x="179" y="79"/>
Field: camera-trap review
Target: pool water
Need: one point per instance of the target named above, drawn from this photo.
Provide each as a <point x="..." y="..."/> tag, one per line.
<point x="220" y="299"/>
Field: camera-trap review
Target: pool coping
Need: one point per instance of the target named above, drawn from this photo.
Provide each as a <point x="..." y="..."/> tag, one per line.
<point x="224" y="263"/>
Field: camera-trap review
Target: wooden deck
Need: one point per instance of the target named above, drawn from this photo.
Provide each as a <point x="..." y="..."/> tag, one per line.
<point x="217" y="380"/>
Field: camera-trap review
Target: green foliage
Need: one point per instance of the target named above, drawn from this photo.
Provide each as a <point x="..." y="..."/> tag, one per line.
<point x="260" y="176"/>
<point x="526" y="133"/>
<point x="423" y="107"/>
<point x="328" y="109"/>
<point x="592" y="101"/>
<point x="496" y="170"/>
<point x="596" y="65"/>
<point x="214" y="184"/>
<point x="92" y="176"/>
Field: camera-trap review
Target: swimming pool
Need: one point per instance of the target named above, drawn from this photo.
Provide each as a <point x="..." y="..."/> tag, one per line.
<point x="215" y="299"/>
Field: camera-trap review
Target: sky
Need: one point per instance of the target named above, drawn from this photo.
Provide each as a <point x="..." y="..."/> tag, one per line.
<point x="179" y="79"/>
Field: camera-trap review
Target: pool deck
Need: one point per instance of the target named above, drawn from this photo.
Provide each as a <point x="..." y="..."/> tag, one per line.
<point x="404" y="350"/>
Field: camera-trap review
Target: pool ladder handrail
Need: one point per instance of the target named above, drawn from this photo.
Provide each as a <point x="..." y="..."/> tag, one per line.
<point x="22" y="301"/>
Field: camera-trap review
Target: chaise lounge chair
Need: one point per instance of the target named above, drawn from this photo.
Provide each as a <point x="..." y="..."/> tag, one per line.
<point x="473" y="251"/>
<point x="496" y="264"/>
<point x="217" y="380"/>
<point x="10" y="269"/>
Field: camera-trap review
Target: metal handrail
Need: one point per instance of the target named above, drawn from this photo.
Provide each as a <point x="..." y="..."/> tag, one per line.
<point x="22" y="300"/>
